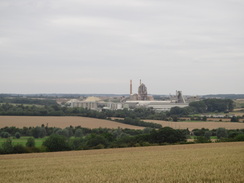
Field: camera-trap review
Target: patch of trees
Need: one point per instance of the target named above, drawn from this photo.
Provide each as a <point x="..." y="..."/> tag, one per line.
<point x="56" y="110"/>
<point x="47" y="110"/>
<point x="203" y="135"/>
<point x="138" y="122"/>
<point x="21" y="100"/>
<point x="77" y="138"/>
<point x="213" y="105"/>
<point x="206" y="105"/>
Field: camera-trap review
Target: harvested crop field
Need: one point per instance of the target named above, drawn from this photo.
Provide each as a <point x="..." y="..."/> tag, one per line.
<point x="193" y="125"/>
<point x="215" y="162"/>
<point x="60" y="121"/>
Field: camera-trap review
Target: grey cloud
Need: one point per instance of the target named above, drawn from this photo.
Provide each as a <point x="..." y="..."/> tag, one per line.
<point x="82" y="44"/>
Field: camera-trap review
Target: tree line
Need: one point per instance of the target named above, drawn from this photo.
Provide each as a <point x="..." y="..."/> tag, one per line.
<point x="21" y="100"/>
<point x="132" y="116"/>
<point x="77" y="138"/>
<point x="204" y="106"/>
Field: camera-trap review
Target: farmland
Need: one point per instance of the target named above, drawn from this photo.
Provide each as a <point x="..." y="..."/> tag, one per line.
<point x="193" y="125"/>
<point x="61" y="122"/>
<point x="23" y="140"/>
<point x="217" y="162"/>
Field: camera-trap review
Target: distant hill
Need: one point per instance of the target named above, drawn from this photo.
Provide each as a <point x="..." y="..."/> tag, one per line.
<point x="157" y="97"/>
<point x="60" y="95"/>
<point x="225" y="96"/>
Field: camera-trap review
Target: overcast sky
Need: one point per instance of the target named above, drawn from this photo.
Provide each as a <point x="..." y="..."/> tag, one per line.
<point x="97" y="46"/>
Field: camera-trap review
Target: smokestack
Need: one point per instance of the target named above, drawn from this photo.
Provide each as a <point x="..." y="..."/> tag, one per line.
<point x="140" y="81"/>
<point x="130" y="87"/>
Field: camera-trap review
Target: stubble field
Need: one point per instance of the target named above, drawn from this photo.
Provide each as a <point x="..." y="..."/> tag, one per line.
<point x="192" y="125"/>
<point x="60" y="121"/>
<point x="220" y="162"/>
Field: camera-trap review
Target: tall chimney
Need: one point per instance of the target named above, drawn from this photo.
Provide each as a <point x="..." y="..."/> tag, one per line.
<point x="140" y="81"/>
<point x="130" y="87"/>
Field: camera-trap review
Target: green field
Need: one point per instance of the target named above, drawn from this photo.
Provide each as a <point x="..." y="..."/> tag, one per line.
<point x="214" y="162"/>
<point x="23" y="140"/>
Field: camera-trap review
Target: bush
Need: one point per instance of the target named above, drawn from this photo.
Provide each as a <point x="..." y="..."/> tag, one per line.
<point x="34" y="149"/>
<point x="201" y="139"/>
<point x="19" y="149"/>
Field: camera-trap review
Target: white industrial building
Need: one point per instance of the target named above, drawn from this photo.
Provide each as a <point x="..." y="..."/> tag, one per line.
<point x="140" y="99"/>
<point x="157" y="105"/>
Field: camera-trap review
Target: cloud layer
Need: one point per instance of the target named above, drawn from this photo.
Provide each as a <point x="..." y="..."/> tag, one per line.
<point x="53" y="46"/>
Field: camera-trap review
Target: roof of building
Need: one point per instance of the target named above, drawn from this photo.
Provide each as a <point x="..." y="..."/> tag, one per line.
<point x="92" y="99"/>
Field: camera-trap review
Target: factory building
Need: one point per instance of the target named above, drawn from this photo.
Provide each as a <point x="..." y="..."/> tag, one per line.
<point x="156" y="105"/>
<point x="142" y="93"/>
<point x="94" y="103"/>
<point x="140" y="99"/>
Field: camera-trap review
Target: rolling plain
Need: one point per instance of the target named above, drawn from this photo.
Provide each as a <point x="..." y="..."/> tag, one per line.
<point x="215" y="162"/>
<point x="196" y="124"/>
<point x="62" y="122"/>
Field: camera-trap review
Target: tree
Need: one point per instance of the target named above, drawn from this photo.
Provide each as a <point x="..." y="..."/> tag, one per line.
<point x="38" y="132"/>
<point x="94" y="140"/>
<point x="7" y="147"/>
<point x="64" y="132"/>
<point x="78" y="133"/>
<point x="221" y="133"/>
<point x="17" y="135"/>
<point x="207" y="134"/>
<point x="56" y="143"/>
<point x="175" y="118"/>
<point x="5" y="135"/>
<point x="179" y="111"/>
<point x="213" y="105"/>
<point x="30" y="142"/>
<point x="166" y="134"/>
<point x="204" y="118"/>
<point x="199" y="106"/>
<point x="234" y="119"/>
<point x="239" y="137"/>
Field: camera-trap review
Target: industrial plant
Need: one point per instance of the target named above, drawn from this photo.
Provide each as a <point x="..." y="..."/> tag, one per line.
<point x="131" y="101"/>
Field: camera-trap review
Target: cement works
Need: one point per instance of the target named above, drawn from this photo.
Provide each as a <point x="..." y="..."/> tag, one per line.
<point x="134" y="100"/>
